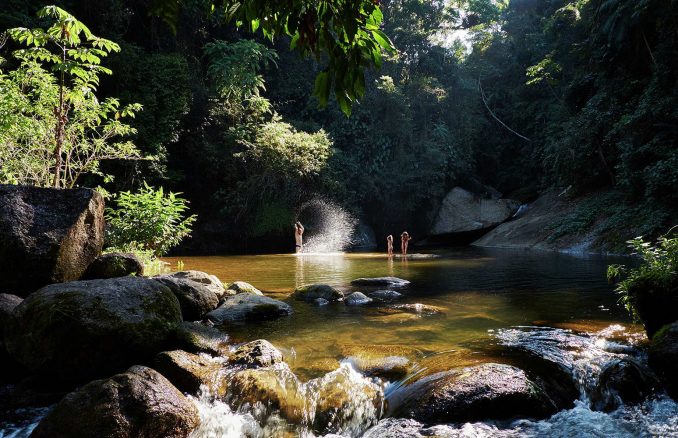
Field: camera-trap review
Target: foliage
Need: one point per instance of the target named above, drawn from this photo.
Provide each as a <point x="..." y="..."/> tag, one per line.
<point x="152" y="264"/>
<point x="149" y="219"/>
<point x="659" y="266"/>
<point x="53" y="128"/>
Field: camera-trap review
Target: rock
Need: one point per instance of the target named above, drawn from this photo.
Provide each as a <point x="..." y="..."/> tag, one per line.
<point x="256" y="354"/>
<point x="313" y="291"/>
<point x="419" y="308"/>
<point x="208" y="281"/>
<point x="189" y="372"/>
<point x="396" y="428"/>
<point x="462" y="211"/>
<point x="357" y="299"/>
<point x="321" y="302"/>
<point x="380" y="281"/>
<point x="248" y="307"/>
<point x="87" y="329"/>
<point x="47" y="235"/>
<point x="663" y="357"/>
<point x="137" y="403"/>
<point x="195" y="298"/>
<point x="656" y="302"/>
<point x="196" y="337"/>
<point x="482" y="392"/>
<point x="7" y="304"/>
<point x="390" y="368"/>
<point x="114" y="265"/>
<point x="385" y="295"/>
<point x="622" y="381"/>
<point x="241" y="287"/>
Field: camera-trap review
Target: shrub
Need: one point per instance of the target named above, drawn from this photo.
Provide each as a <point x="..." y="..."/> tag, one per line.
<point x="155" y="221"/>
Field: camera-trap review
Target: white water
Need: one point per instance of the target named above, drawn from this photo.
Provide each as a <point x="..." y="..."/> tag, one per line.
<point x="329" y="228"/>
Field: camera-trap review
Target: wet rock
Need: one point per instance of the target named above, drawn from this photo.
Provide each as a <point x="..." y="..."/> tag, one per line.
<point x="137" y="403"/>
<point x="622" y="381"/>
<point x="396" y="428"/>
<point x="419" y="308"/>
<point x="385" y="295"/>
<point x="357" y="299"/>
<point x="320" y="302"/>
<point x="248" y="307"/>
<point x="663" y="357"/>
<point x="196" y="337"/>
<point x="7" y="304"/>
<point x="312" y="292"/>
<point x="389" y="368"/>
<point x="47" y="235"/>
<point x="241" y="287"/>
<point x="87" y="329"/>
<point x="114" y="265"/>
<point x="487" y="391"/>
<point x="462" y="211"/>
<point x="256" y="354"/>
<point x="189" y="372"/>
<point x="208" y="281"/>
<point x="380" y="281"/>
<point x="196" y="298"/>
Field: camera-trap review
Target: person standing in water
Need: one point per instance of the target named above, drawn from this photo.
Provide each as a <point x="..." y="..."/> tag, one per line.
<point x="298" y="236"/>
<point x="389" y="244"/>
<point x="404" y="240"/>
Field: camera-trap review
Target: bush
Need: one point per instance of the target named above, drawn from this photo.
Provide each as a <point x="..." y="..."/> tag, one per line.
<point x="151" y="219"/>
<point x="650" y="291"/>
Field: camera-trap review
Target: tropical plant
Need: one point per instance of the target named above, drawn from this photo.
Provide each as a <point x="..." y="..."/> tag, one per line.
<point x="148" y="219"/>
<point x="53" y="128"/>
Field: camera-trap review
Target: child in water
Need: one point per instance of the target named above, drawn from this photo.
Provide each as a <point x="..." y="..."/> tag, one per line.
<point x="404" y="240"/>
<point x="298" y="236"/>
<point x="389" y="244"/>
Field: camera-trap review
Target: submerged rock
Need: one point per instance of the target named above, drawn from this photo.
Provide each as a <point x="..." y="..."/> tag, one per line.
<point x="390" y="368"/>
<point x="380" y="281"/>
<point x="320" y="302"/>
<point x="357" y="299"/>
<point x="196" y="337"/>
<point x="189" y="372"/>
<point x="196" y="298"/>
<point x="113" y="265"/>
<point x="87" y="329"/>
<point x="47" y="235"/>
<point x="462" y="211"/>
<point x="483" y="392"/>
<point x="137" y="403"/>
<point x="419" y="308"/>
<point x="256" y="354"/>
<point x="385" y="295"/>
<point x="248" y="307"/>
<point x="663" y="357"/>
<point x="312" y="292"/>
<point x="622" y="381"/>
<point x="241" y="287"/>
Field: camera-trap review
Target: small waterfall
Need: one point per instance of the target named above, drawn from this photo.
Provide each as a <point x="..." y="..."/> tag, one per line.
<point x="328" y="227"/>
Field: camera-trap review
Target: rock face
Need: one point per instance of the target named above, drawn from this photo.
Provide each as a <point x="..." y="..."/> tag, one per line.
<point x="241" y="287"/>
<point x="312" y="292"/>
<point x="488" y="391"/>
<point x="357" y="299"/>
<point x="248" y="307"/>
<point x="462" y="211"/>
<point x="189" y="372"/>
<point x="196" y="298"/>
<point x="137" y="403"/>
<point x="663" y="357"/>
<point x="47" y="235"/>
<point x="114" y="265"/>
<point x="256" y="354"/>
<point x="88" y="329"/>
<point x="380" y="281"/>
<point x="622" y="381"/>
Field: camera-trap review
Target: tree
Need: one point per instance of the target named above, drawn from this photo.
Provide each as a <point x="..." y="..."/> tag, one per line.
<point x="83" y="126"/>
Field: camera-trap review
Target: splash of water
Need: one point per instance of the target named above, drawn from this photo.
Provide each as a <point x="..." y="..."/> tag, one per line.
<point x="329" y="228"/>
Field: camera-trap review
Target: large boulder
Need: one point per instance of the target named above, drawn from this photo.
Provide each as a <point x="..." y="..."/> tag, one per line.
<point x="88" y="329"/>
<point x="462" y="211"/>
<point x="256" y="354"/>
<point x="663" y="357"/>
<point x="137" y="403"/>
<point x="655" y="301"/>
<point x="196" y="298"/>
<point x="193" y="373"/>
<point x="242" y="287"/>
<point x="113" y="265"/>
<point x="7" y="305"/>
<point x="47" y="235"/>
<point x="248" y="307"/>
<point x="622" y="381"/>
<point x="311" y="292"/>
<point x="482" y="392"/>
<point x="196" y="337"/>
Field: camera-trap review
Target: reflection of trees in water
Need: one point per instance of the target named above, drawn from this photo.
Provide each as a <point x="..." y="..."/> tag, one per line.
<point x="328" y="227"/>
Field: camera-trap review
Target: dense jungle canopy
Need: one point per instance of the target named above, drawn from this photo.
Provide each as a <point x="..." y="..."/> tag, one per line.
<point x="526" y="96"/>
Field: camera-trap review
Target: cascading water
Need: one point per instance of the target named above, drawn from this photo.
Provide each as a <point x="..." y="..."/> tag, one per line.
<point x="328" y="227"/>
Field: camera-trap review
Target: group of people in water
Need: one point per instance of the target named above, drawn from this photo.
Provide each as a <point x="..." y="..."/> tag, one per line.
<point x="404" y="240"/>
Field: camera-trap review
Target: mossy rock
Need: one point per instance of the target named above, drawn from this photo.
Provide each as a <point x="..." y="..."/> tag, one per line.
<point x="247" y="307"/>
<point x="196" y="337"/>
<point x="256" y="354"/>
<point x="311" y="292"/>
<point x="241" y="287"/>
<point x="655" y="301"/>
<point x="191" y="373"/>
<point x="113" y="265"/>
<point x="663" y="357"/>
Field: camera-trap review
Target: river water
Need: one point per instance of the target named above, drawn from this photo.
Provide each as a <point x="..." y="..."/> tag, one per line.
<point x="463" y="307"/>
